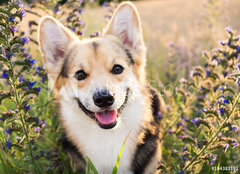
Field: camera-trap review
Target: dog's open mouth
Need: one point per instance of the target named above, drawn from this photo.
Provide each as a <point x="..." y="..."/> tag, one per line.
<point x="106" y="119"/>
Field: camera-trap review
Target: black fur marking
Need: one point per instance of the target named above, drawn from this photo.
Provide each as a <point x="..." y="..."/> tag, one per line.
<point x="95" y="46"/>
<point x="73" y="151"/>
<point x="129" y="55"/>
<point x="64" y="70"/>
<point x="145" y="150"/>
<point x="155" y="102"/>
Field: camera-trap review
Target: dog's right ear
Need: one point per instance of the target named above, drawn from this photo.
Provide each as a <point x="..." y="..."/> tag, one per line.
<point x="54" y="40"/>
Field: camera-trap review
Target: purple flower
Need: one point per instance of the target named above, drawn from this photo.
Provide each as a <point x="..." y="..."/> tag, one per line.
<point x="14" y="28"/>
<point x="23" y="49"/>
<point x="228" y="29"/>
<point x="43" y="124"/>
<point x="25" y="39"/>
<point x="11" y="18"/>
<point x="184" y="158"/>
<point x="214" y="157"/>
<point x="184" y="128"/>
<point x="226" y="146"/>
<point x="98" y="33"/>
<point x="37" y="129"/>
<point x="29" y="60"/>
<point x="31" y="84"/>
<point x="235" y="144"/>
<point x="204" y="109"/>
<point x="81" y="10"/>
<point x="211" y="162"/>
<point x="226" y="101"/>
<point x="199" y="145"/>
<point x="9" y="55"/>
<point x="38" y="89"/>
<point x="8" y="144"/>
<point x="184" y="118"/>
<point x="80" y="33"/>
<point x="221" y="42"/>
<point x="180" y="136"/>
<point x="224" y="54"/>
<point x="18" y="139"/>
<point x="1" y="118"/>
<point x="195" y="121"/>
<point x="80" y="1"/>
<point x="68" y="18"/>
<point x="238" y="49"/>
<point x="8" y="131"/>
<point x="20" y="4"/>
<point x="159" y="115"/>
<point x="229" y="42"/>
<point x="42" y="152"/>
<point x="23" y="13"/>
<point x="57" y="10"/>
<point x="179" y="124"/>
<point x="105" y="4"/>
<point x="221" y="110"/>
<point x="21" y="79"/>
<point x="170" y="131"/>
<point x="4" y="75"/>
<point x="238" y="65"/>
<point x="235" y="128"/>
<point x="185" y="148"/>
<point x="27" y="107"/>
<point x="74" y="29"/>
<point x="207" y="73"/>
<point x="225" y="74"/>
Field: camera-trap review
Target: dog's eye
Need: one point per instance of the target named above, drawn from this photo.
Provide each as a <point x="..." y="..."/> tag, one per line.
<point x="117" y="69"/>
<point x="80" y="75"/>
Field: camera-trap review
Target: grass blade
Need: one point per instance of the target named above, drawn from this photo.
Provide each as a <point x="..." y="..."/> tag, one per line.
<point x="90" y="167"/>
<point x="115" y="168"/>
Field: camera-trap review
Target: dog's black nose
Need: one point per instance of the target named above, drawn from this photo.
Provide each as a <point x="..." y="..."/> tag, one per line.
<point x="103" y="99"/>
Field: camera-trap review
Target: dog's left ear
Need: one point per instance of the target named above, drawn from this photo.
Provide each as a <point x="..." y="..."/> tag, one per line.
<point x="125" y="25"/>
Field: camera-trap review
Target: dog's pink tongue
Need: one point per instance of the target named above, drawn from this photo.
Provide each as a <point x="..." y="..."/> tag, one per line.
<point x="106" y="117"/>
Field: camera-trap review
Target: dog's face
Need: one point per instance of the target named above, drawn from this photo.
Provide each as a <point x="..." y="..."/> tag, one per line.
<point x="98" y="74"/>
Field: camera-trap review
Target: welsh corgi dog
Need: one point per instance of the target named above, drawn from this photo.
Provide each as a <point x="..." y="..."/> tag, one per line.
<point x="102" y="93"/>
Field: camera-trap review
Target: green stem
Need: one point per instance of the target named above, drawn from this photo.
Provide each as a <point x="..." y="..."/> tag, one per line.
<point x="22" y="119"/>
<point x="213" y="138"/>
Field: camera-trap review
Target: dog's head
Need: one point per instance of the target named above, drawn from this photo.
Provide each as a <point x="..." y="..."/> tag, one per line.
<point x="98" y="74"/>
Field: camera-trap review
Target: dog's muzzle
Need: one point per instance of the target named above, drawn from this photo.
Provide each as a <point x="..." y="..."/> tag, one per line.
<point x="106" y="119"/>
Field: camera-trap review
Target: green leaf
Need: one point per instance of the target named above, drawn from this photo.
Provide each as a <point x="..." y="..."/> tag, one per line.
<point x="115" y="168"/>
<point x="4" y="11"/>
<point x="3" y="59"/>
<point x="90" y="167"/>
<point x="3" y="165"/>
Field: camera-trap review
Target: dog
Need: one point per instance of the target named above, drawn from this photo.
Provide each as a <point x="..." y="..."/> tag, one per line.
<point x="102" y="94"/>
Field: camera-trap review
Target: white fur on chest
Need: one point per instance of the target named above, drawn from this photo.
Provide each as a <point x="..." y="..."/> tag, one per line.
<point x="103" y="145"/>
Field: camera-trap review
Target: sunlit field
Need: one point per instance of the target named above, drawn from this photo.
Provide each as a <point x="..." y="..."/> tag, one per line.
<point x="193" y="60"/>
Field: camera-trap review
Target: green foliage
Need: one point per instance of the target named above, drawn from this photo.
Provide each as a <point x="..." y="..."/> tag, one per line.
<point x="206" y="113"/>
